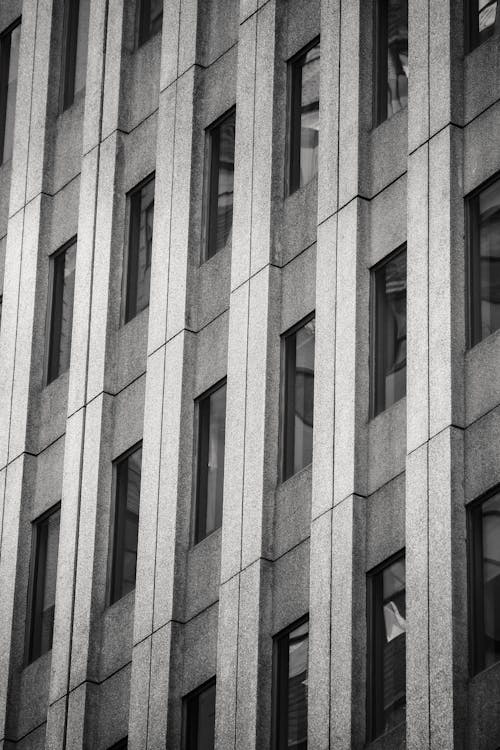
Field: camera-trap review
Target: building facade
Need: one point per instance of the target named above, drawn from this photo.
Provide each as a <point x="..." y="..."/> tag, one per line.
<point x="249" y="374"/>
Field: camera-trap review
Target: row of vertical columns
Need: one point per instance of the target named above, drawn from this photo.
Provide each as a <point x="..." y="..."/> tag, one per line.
<point x="435" y="516"/>
<point x="18" y="311"/>
<point x="166" y="470"/>
<point x="243" y="653"/>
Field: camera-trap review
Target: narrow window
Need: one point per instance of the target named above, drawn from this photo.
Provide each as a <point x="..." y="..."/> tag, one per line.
<point x="484" y="567"/>
<point x="140" y="244"/>
<point x="76" y="29"/>
<point x="304" y="117"/>
<point x="389" y="331"/>
<point x="387" y="647"/>
<point x="211" y="439"/>
<point x="199" y="718"/>
<point x="120" y="745"/>
<point x="128" y="492"/>
<point x="391" y="58"/>
<point x="43" y="583"/>
<point x="298" y="397"/>
<point x="290" y="725"/>
<point x="150" y="19"/>
<point x="61" y="317"/>
<point x="221" y="180"/>
<point x="483" y="217"/>
<point x="480" y="17"/>
<point x="9" y="57"/>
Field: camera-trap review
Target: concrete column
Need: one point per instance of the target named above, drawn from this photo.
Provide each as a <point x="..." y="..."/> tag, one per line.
<point x="73" y="671"/>
<point x="435" y="514"/>
<point x="19" y="311"/>
<point x="154" y="716"/>
<point x="244" y="652"/>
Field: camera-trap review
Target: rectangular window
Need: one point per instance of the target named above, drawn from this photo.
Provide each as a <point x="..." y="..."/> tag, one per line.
<point x="126" y="527"/>
<point x="211" y="439"/>
<point x="389" y="331"/>
<point x="387" y="647"/>
<point x="61" y="316"/>
<point x="304" y="116"/>
<point x="483" y="220"/>
<point x="9" y="58"/>
<point x="199" y="718"/>
<point x="74" y="66"/>
<point x="140" y="245"/>
<point x="150" y="19"/>
<point x="120" y="745"/>
<point x="298" y="397"/>
<point x="391" y="58"/>
<point x="480" y="19"/>
<point x="221" y="184"/>
<point x="291" y="665"/>
<point x="484" y="569"/>
<point x="43" y="577"/>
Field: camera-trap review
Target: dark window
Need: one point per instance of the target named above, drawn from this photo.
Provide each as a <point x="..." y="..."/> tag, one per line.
<point x="199" y="718"/>
<point x="480" y="16"/>
<point x="128" y="493"/>
<point x="221" y="180"/>
<point x="76" y="29"/>
<point x="304" y="117"/>
<point x="140" y="244"/>
<point x="291" y="662"/>
<point x="9" y="58"/>
<point x="150" y="19"/>
<point x="43" y="582"/>
<point x="483" y="217"/>
<point x="387" y="647"/>
<point x="61" y="317"/>
<point x="211" y="438"/>
<point x="391" y="58"/>
<point x="389" y="331"/>
<point x="484" y="566"/>
<point x="298" y="397"/>
<point x="120" y="745"/>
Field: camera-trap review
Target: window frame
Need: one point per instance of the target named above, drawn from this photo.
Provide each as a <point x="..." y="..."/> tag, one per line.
<point x="202" y="450"/>
<point x="475" y="581"/>
<point x="129" y="287"/>
<point x="377" y="383"/>
<point x="294" y="113"/>
<point x="280" y="680"/>
<point x="5" y="50"/>
<point x="53" y="323"/>
<point x="471" y="25"/>
<point x="374" y="651"/>
<point x="211" y="186"/>
<point x="143" y="18"/>
<point x="69" y="54"/>
<point x="473" y="272"/>
<point x="188" y="700"/>
<point x="36" y="582"/>
<point x="287" y="388"/>
<point x="114" y="589"/>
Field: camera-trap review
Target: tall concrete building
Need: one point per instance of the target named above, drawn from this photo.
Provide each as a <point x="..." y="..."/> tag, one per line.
<point x="249" y="374"/>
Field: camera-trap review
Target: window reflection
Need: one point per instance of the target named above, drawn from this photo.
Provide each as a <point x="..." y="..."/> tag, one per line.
<point x="304" y="136"/>
<point x="126" y="528"/>
<point x="392" y="58"/>
<point x="200" y="718"/>
<point x="9" y="59"/>
<point x="220" y="210"/>
<point x="489" y="248"/>
<point x="61" y="318"/>
<point x="291" y="688"/>
<point x="44" y="577"/>
<point x="140" y="248"/>
<point x="490" y="512"/>
<point x="487" y="13"/>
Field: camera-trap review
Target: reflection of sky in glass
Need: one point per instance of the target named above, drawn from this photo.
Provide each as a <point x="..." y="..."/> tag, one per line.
<point x="225" y="183"/>
<point x="309" y="135"/>
<point x="487" y="17"/>
<point x="489" y="231"/>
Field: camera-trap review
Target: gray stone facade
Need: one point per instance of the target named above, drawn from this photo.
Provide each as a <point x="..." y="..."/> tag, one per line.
<point x="400" y="480"/>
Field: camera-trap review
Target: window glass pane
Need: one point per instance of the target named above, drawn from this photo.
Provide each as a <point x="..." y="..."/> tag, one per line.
<point x="9" y="57"/>
<point x="487" y="12"/>
<point x="309" y="116"/>
<point x="390" y="332"/>
<point x="297" y="687"/>
<point x="221" y="186"/>
<point x="489" y="250"/>
<point x="156" y="16"/>
<point x="128" y="489"/>
<point x="44" y="585"/>
<point x="206" y="719"/>
<point x="81" y="45"/>
<point x="491" y="579"/>
<point x="62" y="311"/>
<point x="140" y="249"/>
<point x="212" y="416"/>
<point x="150" y="19"/>
<point x="299" y="399"/>
<point x="397" y="55"/>
<point x="394" y="649"/>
